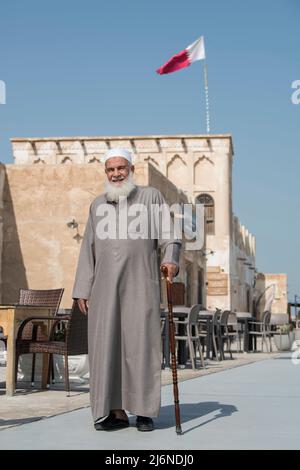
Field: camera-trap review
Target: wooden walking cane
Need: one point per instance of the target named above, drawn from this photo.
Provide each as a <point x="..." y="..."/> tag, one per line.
<point x="164" y="270"/>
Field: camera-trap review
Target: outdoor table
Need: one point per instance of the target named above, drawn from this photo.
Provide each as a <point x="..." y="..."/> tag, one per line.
<point x="244" y="318"/>
<point x="11" y="317"/>
<point x="181" y="312"/>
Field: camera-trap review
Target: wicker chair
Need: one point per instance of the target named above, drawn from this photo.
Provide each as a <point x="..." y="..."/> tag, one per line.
<point x="74" y="341"/>
<point x="32" y="331"/>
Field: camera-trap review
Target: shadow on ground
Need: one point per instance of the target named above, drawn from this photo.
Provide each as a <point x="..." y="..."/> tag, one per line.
<point x="192" y="411"/>
<point x="282" y="357"/>
<point x="25" y="388"/>
<point x="20" y="421"/>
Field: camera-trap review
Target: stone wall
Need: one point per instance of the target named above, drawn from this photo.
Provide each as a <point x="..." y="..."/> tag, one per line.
<point x="40" y="248"/>
<point x="195" y="164"/>
<point x="171" y="154"/>
<point x="275" y="288"/>
<point x="242" y="267"/>
<point x="2" y="180"/>
<point x="191" y="261"/>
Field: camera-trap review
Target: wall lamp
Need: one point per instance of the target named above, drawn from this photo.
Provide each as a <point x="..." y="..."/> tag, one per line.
<point x="207" y="252"/>
<point x="72" y="224"/>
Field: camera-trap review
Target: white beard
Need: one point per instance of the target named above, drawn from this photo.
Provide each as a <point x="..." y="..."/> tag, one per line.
<point x="113" y="192"/>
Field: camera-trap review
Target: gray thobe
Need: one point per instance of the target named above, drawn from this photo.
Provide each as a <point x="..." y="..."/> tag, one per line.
<point x="120" y="278"/>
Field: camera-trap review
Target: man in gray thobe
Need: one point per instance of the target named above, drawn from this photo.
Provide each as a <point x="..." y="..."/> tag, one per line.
<point x="117" y="284"/>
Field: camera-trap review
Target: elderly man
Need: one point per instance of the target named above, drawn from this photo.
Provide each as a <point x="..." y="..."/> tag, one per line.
<point x="117" y="284"/>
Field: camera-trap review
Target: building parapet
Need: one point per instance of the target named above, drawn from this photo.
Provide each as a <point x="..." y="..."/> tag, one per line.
<point x="243" y="239"/>
<point x="64" y="150"/>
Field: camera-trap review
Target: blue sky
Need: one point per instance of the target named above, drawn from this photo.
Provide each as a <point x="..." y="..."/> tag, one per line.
<point x="88" y="68"/>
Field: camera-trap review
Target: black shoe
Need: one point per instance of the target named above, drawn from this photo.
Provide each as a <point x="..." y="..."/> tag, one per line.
<point x="144" y="424"/>
<point x="111" y="423"/>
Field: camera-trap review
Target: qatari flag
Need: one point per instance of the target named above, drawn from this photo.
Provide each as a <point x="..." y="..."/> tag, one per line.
<point x="184" y="58"/>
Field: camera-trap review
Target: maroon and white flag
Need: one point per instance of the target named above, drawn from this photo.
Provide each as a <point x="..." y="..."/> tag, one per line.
<point x="184" y="58"/>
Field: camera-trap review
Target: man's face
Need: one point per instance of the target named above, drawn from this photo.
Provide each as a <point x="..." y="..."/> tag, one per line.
<point x="117" y="170"/>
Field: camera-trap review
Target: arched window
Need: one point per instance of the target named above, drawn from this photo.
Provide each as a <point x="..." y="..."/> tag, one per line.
<point x="209" y="212"/>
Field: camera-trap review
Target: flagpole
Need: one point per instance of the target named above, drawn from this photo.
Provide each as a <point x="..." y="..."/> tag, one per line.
<point x="206" y="97"/>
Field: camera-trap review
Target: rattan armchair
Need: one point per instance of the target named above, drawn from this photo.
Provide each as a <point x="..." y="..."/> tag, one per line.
<point x="32" y="331"/>
<point x="74" y="341"/>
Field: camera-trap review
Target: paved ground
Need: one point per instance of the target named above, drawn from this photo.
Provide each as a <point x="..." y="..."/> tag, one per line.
<point x="31" y="404"/>
<point x="251" y="407"/>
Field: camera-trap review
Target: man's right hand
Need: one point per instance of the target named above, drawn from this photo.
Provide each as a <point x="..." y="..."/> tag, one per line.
<point x="83" y="305"/>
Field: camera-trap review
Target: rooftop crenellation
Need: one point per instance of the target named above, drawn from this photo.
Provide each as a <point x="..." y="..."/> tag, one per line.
<point x="81" y="150"/>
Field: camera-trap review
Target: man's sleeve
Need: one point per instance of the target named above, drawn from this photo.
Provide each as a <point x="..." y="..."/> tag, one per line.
<point x="167" y="241"/>
<point x="86" y="263"/>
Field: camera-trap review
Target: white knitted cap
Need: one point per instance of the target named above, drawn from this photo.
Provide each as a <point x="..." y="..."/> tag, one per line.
<point x="118" y="152"/>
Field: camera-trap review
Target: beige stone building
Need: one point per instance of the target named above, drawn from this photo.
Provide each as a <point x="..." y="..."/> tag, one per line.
<point x="45" y="196"/>
<point x="53" y="181"/>
<point x="45" y="208"/>
<point x="272" y="289"/>
<point x="2" y="177"/>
